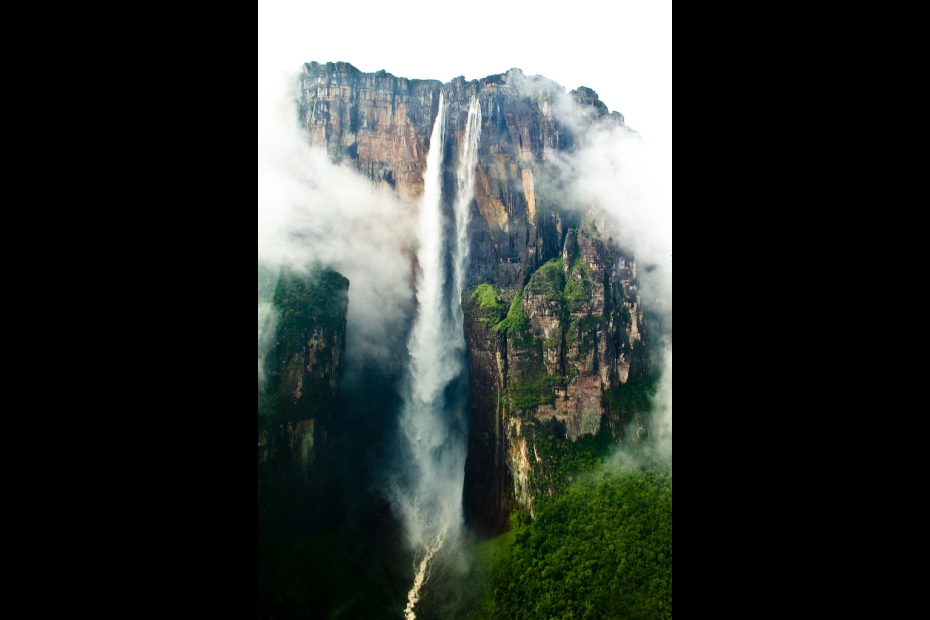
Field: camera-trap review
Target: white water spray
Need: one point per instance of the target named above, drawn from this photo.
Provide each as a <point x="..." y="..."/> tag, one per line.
<point x="432" y="504"/>
<point x="464" y="193"/>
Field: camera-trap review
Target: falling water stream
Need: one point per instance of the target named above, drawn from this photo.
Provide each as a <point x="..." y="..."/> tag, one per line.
<point x="464" y="193"/>
<point x="432" y="507"/>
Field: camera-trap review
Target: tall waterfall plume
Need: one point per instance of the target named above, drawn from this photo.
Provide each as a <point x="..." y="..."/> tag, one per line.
<point x="430" y="500"/>
<point x="464" y="193"/>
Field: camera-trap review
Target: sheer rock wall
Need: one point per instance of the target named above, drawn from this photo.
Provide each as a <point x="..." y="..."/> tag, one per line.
<point x="580" y="329"/>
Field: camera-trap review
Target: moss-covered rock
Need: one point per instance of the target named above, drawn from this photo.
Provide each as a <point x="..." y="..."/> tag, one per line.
<point x="301" y="372"/>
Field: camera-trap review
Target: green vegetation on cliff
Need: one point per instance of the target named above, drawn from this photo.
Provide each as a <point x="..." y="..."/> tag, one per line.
<point x="548" y="280"/>
<point x="516" y="320"/>
<point x="308" y="307"/>
<point x="266" y="404"/>
<point x="307" y="303"/>
<point x="562" y="461"/>
<point x="577" y="286"/>
<point x="486" y="297"/>
<point x="602" y="549"/>
<point x="489" y="308"/>
<point x="534" y="390"/>
<point x="634" y="396"/>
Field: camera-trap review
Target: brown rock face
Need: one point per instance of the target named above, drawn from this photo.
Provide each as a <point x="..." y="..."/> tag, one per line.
<point x="579" y="317"/>
<point x="380" y="121"/>
<point x="383" y="123"/>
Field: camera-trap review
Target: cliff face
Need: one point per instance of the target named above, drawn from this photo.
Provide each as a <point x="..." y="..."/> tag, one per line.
<point x="553" y="316"/>
<point x="301" y="372"/>
<point x="383" y="123"/>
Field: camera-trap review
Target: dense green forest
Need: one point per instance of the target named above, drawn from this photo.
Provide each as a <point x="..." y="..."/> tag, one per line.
<point x="601" y="549"/>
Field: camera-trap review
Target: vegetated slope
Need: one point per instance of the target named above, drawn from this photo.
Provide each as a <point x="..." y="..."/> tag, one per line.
<point x="602" y="549"/>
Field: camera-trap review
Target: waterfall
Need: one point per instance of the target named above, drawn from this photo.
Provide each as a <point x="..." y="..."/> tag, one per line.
<point x="464" y="193"/>
<point x="430" y="501"/>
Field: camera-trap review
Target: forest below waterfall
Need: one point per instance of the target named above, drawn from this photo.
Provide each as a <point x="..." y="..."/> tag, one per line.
<point x="602" y="549"/>
<point x="598" y="547"/>
<point x="464" y="355"/>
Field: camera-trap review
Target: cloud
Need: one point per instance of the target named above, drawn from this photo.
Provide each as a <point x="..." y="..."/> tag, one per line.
<point x="662" y="411"/>
<point x="311" y="211"/>
<point x="267" y="323"/>
<point x="611" y="173"/>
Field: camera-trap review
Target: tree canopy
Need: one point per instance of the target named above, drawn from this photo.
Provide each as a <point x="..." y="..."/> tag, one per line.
<point x="601" y="549"/>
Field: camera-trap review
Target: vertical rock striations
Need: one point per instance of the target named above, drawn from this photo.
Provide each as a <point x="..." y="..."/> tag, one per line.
<point x="553" y="313"/>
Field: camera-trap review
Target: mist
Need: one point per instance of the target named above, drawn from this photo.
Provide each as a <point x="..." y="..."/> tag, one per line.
<point x="315" y="214"/>
<point x="407" y="262"/>
<point x="662" y="411"/>
<point x="613" y="170"/>
<point x="267" y="323"/>
<point x="614" y="178"/>
<point x="426" y="486"/>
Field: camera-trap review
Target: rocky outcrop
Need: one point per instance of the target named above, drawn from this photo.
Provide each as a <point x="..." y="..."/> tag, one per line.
<point x="567" y="340"/>
<point x="301" y="373"/>
<point x="488" y="492"/>
<point x="553" y="317"/>
<point x="381" y="122"/>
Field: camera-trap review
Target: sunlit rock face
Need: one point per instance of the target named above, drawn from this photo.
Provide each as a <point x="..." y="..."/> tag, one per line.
<point x="382" y="123"/>
<point x="579" y="295"/>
